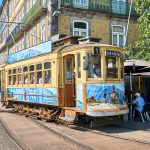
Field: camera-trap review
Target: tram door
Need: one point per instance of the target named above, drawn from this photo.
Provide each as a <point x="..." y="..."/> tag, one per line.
<point x="69" y="81"/>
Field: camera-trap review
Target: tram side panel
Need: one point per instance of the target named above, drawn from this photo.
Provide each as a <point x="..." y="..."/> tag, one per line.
<point x="105" y="99"/>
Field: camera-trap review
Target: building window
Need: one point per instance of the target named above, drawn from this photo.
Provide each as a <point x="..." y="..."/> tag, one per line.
<point x="43" y="32"/>
<point x="28" y="40"/>
<point x="119" y="6"/>
<point x="34" y="37"/>
<point x="27" y="5"/>
<point x="81" y="3"/>
<point x="33" y="2"/>
<point x="80" y="28"/>
<point x="118" y="36"/>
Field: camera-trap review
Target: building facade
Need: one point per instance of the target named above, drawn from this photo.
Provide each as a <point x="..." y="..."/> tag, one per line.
<point x="26" y="23"/>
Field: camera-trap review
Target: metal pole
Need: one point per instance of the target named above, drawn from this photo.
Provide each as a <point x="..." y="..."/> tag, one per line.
<point x="131" y="84"/>
<point x="128" y="23"/>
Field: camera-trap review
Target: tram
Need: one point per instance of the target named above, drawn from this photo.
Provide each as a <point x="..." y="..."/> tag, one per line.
<point x="77" y="77"/>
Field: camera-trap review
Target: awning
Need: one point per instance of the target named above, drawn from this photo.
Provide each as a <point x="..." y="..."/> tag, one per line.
<point x="141" y="74"/>
<point x="139" y="63"/>
<point x="136" y="66"/>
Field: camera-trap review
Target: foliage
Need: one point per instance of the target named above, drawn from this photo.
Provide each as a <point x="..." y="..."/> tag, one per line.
<point x="143" y="9"/>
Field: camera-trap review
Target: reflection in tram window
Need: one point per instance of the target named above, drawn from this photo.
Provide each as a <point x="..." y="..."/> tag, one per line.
<point x="14" y="77"/>
<point x="19" y="75"/>
<point x="32" y="78"/>
<point x="69" y="69"/>
<point x="94" y="68"/>
<point x="47" y="77"/>
<point x="47" y="72"/>
<point x="39" y="77"/>
<point x="25" y="70"/>
<point x="112" y="67"/>
<point x="39" y="74"/>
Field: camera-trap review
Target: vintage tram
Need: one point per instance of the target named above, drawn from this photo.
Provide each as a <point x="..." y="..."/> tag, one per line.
<point x="77" y="77"/>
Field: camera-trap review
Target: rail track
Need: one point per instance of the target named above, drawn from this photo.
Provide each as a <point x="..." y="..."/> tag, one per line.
<point x="60" y="135"/>
<point x="115" y="135"/>
<point x="101" y="131"/>
<point x="19" y="144"/>
<point x="95" y="131"/>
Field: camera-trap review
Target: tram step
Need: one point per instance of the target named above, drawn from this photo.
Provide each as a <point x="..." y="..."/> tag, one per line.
<point x="68" y="114"/>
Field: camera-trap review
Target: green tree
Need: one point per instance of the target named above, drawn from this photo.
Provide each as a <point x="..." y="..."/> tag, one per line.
<point x="142" y="7"/>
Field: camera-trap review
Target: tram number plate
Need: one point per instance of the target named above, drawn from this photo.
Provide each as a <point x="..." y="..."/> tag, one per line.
<point x="112" y="53"/>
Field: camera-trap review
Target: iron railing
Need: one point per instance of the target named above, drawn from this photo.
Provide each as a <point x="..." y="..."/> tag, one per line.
<point x="37" y="7"/>
<point x="104" y="6"/>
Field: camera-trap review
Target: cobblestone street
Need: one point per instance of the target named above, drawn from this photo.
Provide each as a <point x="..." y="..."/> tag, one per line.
<point x="6" y="143"/>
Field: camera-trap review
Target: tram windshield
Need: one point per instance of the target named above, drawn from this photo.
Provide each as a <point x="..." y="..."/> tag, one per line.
<point x="94" y="66"/>
<point x="112" y="67"/>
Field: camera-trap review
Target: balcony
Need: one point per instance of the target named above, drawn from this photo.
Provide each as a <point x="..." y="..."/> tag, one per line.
<point x="37" y="9"/>
<point x="104" y="6"/>
<point x="16" y="30"/>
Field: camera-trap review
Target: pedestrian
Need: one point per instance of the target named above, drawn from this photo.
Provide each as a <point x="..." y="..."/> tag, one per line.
<point x="139" y="102"/>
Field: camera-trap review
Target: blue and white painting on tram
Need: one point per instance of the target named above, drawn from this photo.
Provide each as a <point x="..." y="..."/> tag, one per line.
<point x="37" y="95"/>
<point x="30" y="52"/>
<point x="79" y="97"/>
<point x="99" y="92"/>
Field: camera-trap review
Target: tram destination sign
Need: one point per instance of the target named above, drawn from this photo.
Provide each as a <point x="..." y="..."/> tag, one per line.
<point x="30" y="52"/>
<point x="110" y="53"/>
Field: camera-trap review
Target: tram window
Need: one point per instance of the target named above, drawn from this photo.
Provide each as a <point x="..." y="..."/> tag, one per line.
<point x="25" y="70"/>
<point x="39" y="67"/>
<point x="39" y="77"/>
<point x="79" y="65"/>
<point x="47" y="65"/>
<point x="121" y="66"/>
<point x="9" y="77"/>
<point x="47" y="72"/>
<point x="39" y="74"/>
<point x="32" y="76"/>
<point x="14" y="76"/>
<point x="94" y="66"/>
<point x="10" y="81"/>
<point x="68" y="69"/>
<point x="32" y="68"/>
<point x="19" y="75"/>
<point x="112" y="67"/>
<point x="10" y="72"/>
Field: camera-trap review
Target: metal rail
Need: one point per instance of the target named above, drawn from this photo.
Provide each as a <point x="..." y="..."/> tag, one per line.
<point x="116" y="135"/>
<point x="63" y="136"/>
<point x="15" y="140"/>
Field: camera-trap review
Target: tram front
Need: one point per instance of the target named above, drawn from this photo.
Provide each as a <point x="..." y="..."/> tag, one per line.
<point x="105" y="92"/>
